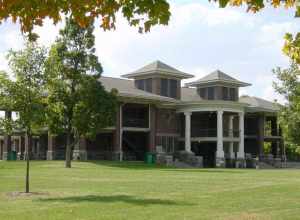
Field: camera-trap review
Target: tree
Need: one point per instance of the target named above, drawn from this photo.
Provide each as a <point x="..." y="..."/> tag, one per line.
<point x="257" y="5"/>
<point x="78" y="105"/>
<point x="289" y="87"/>
<point x="29" y="13"/>
<point x="25" y="93"/>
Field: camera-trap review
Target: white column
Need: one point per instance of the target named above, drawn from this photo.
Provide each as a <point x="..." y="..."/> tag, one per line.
<point x="220" y="150"/>
<point x="231" y="153"/>
<point x="188" y="131"/>
<point x="241" y="152"/>
<point x="121" y="133"/>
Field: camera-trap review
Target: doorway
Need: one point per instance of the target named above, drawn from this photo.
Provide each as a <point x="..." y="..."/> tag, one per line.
<point x="208" y="151"/>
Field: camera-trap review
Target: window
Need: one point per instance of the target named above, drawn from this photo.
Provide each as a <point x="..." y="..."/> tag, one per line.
<point x="164" y="87"/>
<point x="202" y="93"/>
<point x="140" y="84"/>
<point x="232" y="94"/>
<point x="211" y="93"/>
<point x="169" y="88"/>
<point x="225" y="93"/>
<point x="148" y="85"/>
<point x="173" y="88"/>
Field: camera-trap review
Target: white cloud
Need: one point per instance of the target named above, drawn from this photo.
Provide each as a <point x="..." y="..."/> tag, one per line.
<point x="199" y="39"/>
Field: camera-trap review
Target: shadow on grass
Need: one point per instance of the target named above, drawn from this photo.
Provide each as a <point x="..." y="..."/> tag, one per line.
<point x="139" y="165"/>
<point x="112" y="199"/>
<point x="136" y="165"/>
<point x="205" y="170"/>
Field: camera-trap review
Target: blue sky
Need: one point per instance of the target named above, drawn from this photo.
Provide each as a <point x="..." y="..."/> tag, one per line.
<point x="199" y="39"/>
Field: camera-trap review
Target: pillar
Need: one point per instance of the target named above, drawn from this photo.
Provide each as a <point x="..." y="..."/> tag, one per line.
<point x="220" y="160"/>
<point x="188" y="131"/>
<point x="152" y="127"/>
<point x="241" y="151"/>
<point x="80" y="149"/>
<point x="231" y="152"/>
<point x="51" y="147"/>
<point x="7" y="139"/>
<point x="261" y="134"/>
<point x="118" y="136"/>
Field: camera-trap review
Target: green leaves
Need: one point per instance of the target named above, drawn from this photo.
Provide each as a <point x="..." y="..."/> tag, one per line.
<point x="25" y="94"/>
<point x="138" y="13"/>
<point x="292" y="47"/>
<point x="289" y="87"/>
<point x="77" y="101"/>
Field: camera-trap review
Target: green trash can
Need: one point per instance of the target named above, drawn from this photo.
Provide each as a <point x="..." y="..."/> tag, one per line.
<point x="149" y="158"/>
<point x="153" y="158"/>
<point x="13" y="155"/>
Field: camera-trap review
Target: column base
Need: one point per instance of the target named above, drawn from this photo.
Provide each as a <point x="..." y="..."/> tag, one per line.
<point x="240" y="163"/>
<point x="220" y="162"/>
<point x="79" y="155"/>
<point x="5" y="156"/>
<point x="116" y="156"/>
<point x="50" y="155"/>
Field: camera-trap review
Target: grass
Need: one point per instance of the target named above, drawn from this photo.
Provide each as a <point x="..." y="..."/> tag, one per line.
<point x="111" y="190"/>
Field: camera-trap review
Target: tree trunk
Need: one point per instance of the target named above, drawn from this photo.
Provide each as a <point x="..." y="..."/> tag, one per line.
<point x="27" y="162"/>
<point x="68" y="151"/>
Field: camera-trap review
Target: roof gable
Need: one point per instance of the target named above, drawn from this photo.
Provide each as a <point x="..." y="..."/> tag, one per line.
<point x="218" y="77"/>
<point x="159" y="68"/>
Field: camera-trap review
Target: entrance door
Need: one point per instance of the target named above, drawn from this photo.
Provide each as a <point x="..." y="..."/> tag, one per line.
<point x="208" y="151"/>
<point x="135" y="145"/>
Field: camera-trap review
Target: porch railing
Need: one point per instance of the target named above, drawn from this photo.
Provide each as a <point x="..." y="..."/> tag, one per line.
<point x="135" y="122"/>
<point x="212" y="132"/>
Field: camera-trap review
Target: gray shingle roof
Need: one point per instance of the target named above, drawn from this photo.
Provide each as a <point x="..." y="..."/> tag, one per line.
<point x="258" y="104"/>
<point x="126" y="88"/>
<point x="218" y="76"/>
<point x="158" y="67"/>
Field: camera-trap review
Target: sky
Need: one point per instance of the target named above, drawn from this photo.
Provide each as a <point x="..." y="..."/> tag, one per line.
<point x="200" y="38"/>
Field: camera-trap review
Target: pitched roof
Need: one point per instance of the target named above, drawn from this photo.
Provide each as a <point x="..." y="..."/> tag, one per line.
<point x="258" y="104"/>
<point x="216" y="77"/>
<point x="160" y="68"/>
<point x="126" y="88"/>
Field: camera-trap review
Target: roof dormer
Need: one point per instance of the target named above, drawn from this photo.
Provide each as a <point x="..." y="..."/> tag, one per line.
<point x="218" y="86"/>
<point x="159" y="78"/>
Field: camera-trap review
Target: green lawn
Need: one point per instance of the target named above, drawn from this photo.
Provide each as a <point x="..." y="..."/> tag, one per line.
<point x="108" y="190"/>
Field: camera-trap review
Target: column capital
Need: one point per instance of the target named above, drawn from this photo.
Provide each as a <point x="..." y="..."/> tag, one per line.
<point x="220" y="112"/>
<point x="241" y="114"/>
<point x="231" y="117"/>
<point x="187" y="113"/>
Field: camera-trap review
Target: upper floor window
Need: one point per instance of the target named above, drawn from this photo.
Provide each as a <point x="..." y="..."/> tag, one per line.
<point x="202" y="93"/>
<point x="232" y="94"/>
<point x="210" y="93"/>
<point x="225" y="93"/>
<point x="169" y="88"/>
<point x="148" y="85"/>
<point x="173" y="88"/>
<point x="144" y="84"/>
<point x="164" y="87"/>
<point x="140" y="84"/>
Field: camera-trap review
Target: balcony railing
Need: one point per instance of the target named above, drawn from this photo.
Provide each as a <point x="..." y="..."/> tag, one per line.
<point x="212" y="132"/>
<point x="135" y="123"/>
<point x="206" y="132"/>
<point x="231" y="133"/>
<point x="271" y="132"/>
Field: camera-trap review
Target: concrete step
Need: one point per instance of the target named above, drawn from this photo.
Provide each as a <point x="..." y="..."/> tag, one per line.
<point x="292" y="165"/>
<point x="263" y="165"/>
<point x="180" y="164"/>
